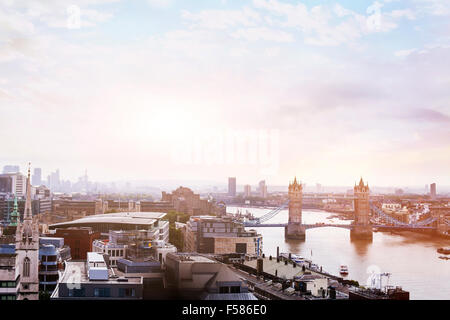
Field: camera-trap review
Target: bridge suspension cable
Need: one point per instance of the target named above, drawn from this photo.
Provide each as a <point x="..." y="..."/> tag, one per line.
<point x="272" y="213"/>
<point x="379" y="213"/>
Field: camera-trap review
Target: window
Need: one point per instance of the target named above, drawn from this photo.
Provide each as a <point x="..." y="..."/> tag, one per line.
<point x="224" y="290"/>
<point x="102" y="292"/>
<point x="76" y="292"/>
<point x="7" y="284"/>
<point x="26" y="267"/>
<point x="235" y="289"/>
<point x="126" y="292"/>
<point x="241" y="248"/>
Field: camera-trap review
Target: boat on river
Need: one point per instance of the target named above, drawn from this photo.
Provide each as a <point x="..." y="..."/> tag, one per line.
<point x="445" y="250"/>
<point x="343" y="270"/>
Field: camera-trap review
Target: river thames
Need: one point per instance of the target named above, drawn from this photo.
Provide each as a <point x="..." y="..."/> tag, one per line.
<point x="410" y="258"/>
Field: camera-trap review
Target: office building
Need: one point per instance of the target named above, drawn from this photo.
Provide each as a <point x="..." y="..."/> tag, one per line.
<point x="197" y="277"/>
<point x="262" y="188"/>
<point x="11" y="169"/>
<point x="433" y="191"/>
<point x="232" y="186"/>
<point x="247" y="191"/>
<point x="14" y="183"/>
<point x="96" y="280"/>
<point x="37" y="177"/>
<point x="52" y="255"/>
<point x="6" y="182"/>
<point x="208" y="234"/>
<point x="153" y="276"/>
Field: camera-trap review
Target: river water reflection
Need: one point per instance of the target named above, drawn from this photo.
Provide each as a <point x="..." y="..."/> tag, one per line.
<point x="411" y="258"/>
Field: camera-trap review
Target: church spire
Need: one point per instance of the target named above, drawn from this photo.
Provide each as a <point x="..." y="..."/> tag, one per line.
<point x="27" y="213"/>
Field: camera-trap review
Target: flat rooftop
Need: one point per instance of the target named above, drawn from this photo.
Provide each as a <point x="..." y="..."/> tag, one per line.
<point x="76" y="271"/>
<point x="138" y="218"/>
<point x="194" y="257"/>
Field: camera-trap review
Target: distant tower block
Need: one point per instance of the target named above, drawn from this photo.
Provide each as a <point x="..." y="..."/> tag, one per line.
<point x="294" y="229"/>
<point x="362" y="229"/>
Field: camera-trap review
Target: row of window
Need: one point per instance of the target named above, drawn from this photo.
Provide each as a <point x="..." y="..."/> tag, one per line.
<point x="103" y="292"/>
<point x="7" y="297"/>
<point x="7" y="284"/>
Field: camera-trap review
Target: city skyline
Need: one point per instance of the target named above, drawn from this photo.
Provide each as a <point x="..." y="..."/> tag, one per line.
<point x="203" y="184"/>
<point x="152" y="88"/>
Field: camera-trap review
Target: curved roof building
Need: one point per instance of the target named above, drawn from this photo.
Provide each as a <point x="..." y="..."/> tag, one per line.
<point x="117" y="221"/>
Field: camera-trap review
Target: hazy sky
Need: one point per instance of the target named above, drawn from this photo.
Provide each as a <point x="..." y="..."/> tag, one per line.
<point x="206" y="89"/>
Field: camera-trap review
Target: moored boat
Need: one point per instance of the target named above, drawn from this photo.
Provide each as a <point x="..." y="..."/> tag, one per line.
<point x="343" y="270"/>
<point x="445" y="250"/>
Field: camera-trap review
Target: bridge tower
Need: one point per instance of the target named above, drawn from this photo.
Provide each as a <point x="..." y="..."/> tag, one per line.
<point x="362" y="228"/>
<point x="295" y="229"/>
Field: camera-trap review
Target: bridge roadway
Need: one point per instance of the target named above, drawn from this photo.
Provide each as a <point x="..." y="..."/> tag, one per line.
<point x="345" y="226"/>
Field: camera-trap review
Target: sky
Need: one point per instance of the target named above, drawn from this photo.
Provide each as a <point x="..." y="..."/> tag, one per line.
<point x="327" y="91"/>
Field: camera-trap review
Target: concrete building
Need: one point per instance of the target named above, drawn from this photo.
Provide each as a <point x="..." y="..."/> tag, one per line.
<point x="14" y="183"/>
<point x="247" y="191"/>
<point x="232" y="186"/>
<point x="37" y="177"/>
<point x="115" y="251"/>
<point x="262" y="188"/>
<point x="433" y="191"/>
<point x="5" y="183"/>
<point x="153" y="276"/>
<point x="9" y="273"/>
<point x="52" y="255"/>
<point x="198" y="277"/>
<point x="93" y="279"/>
<point x="208" y="234"/>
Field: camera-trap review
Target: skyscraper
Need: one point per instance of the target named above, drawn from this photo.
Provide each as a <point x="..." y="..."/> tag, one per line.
<point x="37" y="177"/>
<point x="433" y="190"/>
<point x="262" y="189"/>
<point x="232" y="186"/>
<point x="247" y="190"/>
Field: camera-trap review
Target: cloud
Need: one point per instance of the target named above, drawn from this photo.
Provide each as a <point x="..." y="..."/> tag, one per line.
<point x="222" y="19"/>
<point x="160" y="3"/>
<point x="324" y="25"/>
<point x="262" y="33"/>
<point x="428" y="115"/>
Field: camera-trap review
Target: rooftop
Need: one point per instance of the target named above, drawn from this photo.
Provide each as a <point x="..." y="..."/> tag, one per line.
<point x="142" y="218"/>
<point x="76" y="270"/>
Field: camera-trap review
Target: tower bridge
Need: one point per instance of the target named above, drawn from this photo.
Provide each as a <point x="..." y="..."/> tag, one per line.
<point x="361" y="228"/>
